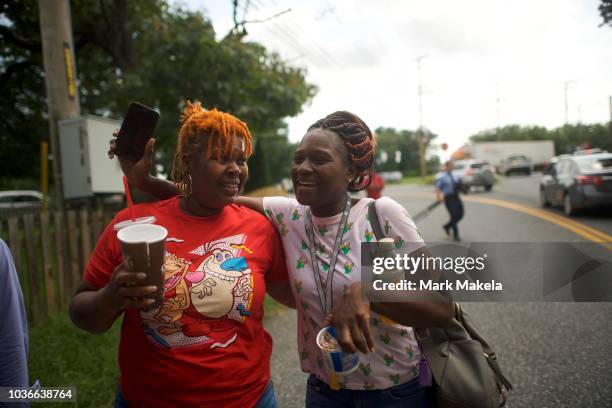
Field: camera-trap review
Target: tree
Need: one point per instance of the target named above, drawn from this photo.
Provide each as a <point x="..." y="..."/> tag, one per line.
<point x="259" y="168"/>
<point x="406" y="142"/>
<point x="22" y="89"/>
<point x="146" y="51"/>
<point x="605" y="10"/>
<point x="566" y="138"/>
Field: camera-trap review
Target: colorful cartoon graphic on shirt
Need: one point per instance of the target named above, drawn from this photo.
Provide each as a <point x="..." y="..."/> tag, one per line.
<point x="213" y="295"/>
<point x="207" y="295"/>
<point x="172" y="309"/>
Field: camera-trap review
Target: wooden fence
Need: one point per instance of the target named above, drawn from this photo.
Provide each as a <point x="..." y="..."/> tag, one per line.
<point x="50" y="250"/>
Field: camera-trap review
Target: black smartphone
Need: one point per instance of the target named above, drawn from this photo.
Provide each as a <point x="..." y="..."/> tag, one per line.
<point x="136" y="130"/>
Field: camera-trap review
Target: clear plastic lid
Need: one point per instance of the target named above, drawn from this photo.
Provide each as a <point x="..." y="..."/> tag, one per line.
<point x="141" y="220"/>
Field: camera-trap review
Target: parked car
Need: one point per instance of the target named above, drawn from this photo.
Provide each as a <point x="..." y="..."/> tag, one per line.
<point x="474" y="173"/>
<point x="516" y="163"/>
<point x="589" y="151"/>
<point x="20" y="199"/>
<point x="578" y="182"/>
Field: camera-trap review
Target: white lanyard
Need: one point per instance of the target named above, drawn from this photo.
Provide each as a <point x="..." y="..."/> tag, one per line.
<point x="325" y="294"/>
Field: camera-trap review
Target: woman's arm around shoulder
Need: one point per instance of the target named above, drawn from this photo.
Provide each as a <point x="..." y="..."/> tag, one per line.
<point x="277" y="276"/>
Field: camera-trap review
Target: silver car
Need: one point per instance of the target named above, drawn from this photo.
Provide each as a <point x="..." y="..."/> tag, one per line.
<point x="516" y="163"/>
<point x="20" y="199"/>
<point x="474" y="173"/>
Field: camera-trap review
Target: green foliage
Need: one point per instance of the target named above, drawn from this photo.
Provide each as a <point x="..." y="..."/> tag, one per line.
<point x="605" y="10"/>
<point x="259" y="169"/>
<point x="62" y="355"/>
<point x="390" y="140"/>
<point x="566" y="138"/>
<point x="279" y="153"/>
<point x="22" y="89"/>
<point x="146" y="51"/>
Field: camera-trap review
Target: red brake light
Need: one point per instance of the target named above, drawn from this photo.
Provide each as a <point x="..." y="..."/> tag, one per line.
<point x="468" y="171"/>
<point x="596" y="180"/>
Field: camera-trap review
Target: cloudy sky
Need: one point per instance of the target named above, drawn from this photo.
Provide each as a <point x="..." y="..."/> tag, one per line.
<point x="363" y="57"/>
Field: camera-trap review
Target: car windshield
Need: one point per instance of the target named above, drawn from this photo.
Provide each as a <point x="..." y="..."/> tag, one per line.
<point x="519" y="157"/>
<point x="479" y="165"/>
<point x="595" y="164"/>
<point x="458" y="166"/>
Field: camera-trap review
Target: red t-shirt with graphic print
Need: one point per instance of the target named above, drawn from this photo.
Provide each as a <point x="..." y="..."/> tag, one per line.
<point x="206" y="345"/>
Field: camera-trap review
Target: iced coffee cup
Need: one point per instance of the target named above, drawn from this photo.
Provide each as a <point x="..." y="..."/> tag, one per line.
<point x="337" y="361"/>
<point x="143" y="247"/>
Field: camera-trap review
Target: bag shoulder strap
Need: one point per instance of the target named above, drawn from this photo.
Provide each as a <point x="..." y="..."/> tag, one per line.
<point x="470" y="328"/>
<point x="374" y="221"/>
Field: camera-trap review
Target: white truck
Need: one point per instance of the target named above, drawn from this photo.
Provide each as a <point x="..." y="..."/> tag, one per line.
<point x="537" y="151"/>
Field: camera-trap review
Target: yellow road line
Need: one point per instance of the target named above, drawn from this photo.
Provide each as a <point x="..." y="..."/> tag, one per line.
<point x="576" y="227"/>
<point x="554" y="218"/>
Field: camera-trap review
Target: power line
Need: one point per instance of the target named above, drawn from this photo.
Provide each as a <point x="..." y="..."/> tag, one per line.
<point x="314" y="50"/>
<point x="419" y="59"/>
<point x="277" y="33"/>
<point x="321" y="52"/>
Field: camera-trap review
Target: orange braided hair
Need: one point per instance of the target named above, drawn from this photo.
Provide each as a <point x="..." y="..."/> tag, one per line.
<point x="223" y="131"/>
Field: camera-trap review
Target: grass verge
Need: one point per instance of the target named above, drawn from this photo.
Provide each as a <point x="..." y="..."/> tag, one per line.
<point x="62" y="355"/>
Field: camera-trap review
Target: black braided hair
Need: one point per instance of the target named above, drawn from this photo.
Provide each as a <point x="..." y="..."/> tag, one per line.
<point x="358" y="140"/>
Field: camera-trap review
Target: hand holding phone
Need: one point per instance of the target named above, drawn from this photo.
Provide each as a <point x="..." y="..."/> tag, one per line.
<point x="136" y="129"/>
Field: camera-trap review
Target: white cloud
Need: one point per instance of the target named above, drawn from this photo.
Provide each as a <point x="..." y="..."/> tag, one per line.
<point x="362" y="54"/>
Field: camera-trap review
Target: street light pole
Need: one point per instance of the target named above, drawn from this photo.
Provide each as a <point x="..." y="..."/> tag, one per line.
<point x="498" y="101"/>
<point x="421" y="135"/>
<point x="566" y="85"/>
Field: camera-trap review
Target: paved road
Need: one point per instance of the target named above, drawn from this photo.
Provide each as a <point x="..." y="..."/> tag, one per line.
<point x="289" y="381"/>
<point x="556" y="354"/>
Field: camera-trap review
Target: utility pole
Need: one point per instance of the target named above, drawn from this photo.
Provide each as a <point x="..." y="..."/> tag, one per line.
<point x="566" y="85"/>
<point x="610" y="122"/>
<point x="498" y="101"/>
<point x="421" y="130"/>
<point x="60" y="78"/>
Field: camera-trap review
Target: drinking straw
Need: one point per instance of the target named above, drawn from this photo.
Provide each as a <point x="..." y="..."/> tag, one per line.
<point x="126" y="187"/>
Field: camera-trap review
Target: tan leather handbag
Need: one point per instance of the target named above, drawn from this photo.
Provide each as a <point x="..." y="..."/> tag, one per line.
<point x="463" y="364"/>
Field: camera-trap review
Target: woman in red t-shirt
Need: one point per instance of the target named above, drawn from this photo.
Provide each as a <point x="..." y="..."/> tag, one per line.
<point x="205" y="345"/>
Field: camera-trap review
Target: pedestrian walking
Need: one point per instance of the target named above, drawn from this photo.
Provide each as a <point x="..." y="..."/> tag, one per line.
<point x="448" y="187"/>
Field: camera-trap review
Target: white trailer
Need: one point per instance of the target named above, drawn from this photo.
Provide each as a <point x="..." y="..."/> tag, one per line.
<point x="538" y="151"/>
